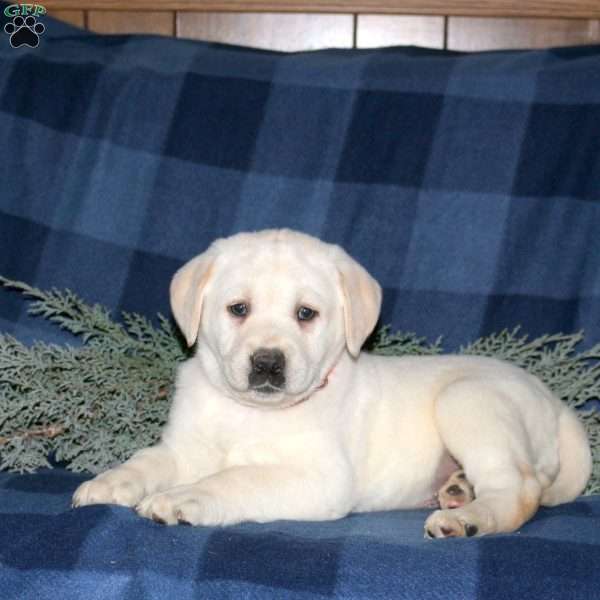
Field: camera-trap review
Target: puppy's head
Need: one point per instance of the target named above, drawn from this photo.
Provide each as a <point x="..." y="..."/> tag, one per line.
<point x="273" y="311"/>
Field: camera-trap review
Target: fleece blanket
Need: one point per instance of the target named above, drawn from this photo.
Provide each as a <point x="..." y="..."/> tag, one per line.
<point x="50" y="551"/>
<point x="466" y="183"/>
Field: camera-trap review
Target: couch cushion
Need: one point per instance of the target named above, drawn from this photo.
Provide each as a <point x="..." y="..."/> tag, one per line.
<point x="467" y="184"/>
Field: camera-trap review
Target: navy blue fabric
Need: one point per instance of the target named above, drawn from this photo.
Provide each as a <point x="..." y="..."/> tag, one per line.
<point x="49" y="551"/>
<point x="468" y="184"/>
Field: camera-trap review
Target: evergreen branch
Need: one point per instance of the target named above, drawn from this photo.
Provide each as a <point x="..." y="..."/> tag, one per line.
<point x="68" y="311"/>
<point x="48" y="432"/>
<point x="401" y="343"/>
<point x="94" y="405"/>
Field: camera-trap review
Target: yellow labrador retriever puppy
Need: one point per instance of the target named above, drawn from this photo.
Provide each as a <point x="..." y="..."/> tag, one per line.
<point x="280" y="416"/>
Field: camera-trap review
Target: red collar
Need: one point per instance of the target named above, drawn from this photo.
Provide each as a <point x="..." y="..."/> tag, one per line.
<point x="326" y="378"/>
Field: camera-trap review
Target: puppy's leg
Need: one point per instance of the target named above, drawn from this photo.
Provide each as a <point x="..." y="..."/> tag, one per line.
<point x="146" y="472"/>
<point x="456" y="491"/>
<point x="252" y="493"/>
<point x="483" y="430"/>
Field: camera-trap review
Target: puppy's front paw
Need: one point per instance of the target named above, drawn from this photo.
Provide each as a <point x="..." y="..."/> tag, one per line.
<point x="452" y="523"/>
<point x="112" y="487"/>
<point x="185" y="505"/>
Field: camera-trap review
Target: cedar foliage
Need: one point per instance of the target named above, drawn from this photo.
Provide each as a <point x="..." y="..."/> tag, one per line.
<point x="92" y="405"/>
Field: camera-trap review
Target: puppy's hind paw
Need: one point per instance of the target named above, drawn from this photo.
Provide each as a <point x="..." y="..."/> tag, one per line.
<point x="456" y="492"/>
<point x="449" y="523"/>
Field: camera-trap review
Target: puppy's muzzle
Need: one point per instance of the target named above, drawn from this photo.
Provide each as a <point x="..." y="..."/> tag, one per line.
<point x="267" y="370"/>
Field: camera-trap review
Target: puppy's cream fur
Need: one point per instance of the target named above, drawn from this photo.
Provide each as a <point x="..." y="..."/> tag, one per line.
<point x="349" y="431"/>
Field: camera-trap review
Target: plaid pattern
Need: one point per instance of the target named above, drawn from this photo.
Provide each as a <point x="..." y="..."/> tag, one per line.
<point x="469" y="185"/>
<point x="48" y="551"/>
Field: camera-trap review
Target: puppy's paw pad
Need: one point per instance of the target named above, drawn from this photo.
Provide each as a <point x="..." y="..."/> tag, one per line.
<point x="456" y="492"/>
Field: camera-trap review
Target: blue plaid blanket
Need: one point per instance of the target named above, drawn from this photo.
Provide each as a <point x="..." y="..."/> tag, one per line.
<point x="48" y="551"/>
<point x="469" y="185"/>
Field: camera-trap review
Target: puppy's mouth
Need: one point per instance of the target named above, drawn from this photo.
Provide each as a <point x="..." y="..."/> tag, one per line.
<point x="266" y="396"/>
<point x="270" y="397"/>
<point x="279" y="404"/>
<point x="267" y="388"/>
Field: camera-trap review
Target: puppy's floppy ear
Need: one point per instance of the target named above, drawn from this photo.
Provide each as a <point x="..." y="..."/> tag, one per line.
<point x="362" y="302"/>
<point x="187" y="293"/>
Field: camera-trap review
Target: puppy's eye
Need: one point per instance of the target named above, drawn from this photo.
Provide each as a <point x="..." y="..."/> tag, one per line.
<point x="240" y="309"/>
<point x="306" y="314"/>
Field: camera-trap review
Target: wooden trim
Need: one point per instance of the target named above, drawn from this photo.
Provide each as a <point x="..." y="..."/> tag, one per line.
<point x="276" y="31"/>
<point x="472" y="34"/>
<point x="149" y="21"/>
<point x="576" y="9"/>
<point x="374" y="31"/>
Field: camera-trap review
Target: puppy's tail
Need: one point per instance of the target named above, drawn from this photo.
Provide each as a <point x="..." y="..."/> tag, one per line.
<point x="575" y="461"/>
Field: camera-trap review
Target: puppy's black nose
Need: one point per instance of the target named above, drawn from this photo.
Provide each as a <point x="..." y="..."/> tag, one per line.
<point x="268" y="370"/>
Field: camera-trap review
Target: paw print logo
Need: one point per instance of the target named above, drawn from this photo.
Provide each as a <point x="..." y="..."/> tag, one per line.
<point x="24" y="31"/>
